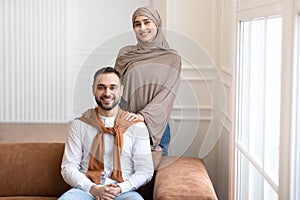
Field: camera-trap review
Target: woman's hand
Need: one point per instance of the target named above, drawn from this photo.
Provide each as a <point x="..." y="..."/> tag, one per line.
<point x="87" y="114"/>
<point x="133" y="117"/>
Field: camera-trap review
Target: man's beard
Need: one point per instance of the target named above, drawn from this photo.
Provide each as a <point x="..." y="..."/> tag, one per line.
<point x="100" y="104"/>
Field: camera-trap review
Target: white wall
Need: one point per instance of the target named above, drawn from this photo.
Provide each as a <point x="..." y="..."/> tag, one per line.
<point x="100" y="29"/>
<point x="197" y="19"/>
<point x="209" y="24"/>
<point x="227" y="68"/>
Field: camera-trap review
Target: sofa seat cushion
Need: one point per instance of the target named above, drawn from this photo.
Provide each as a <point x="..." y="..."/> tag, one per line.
<point x="27" y="198"/>
<point x="31" y="169"/>
<point x="183" y="178"/>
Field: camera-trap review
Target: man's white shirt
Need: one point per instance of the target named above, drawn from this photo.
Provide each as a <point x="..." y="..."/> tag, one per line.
<point x="136" y="158"/>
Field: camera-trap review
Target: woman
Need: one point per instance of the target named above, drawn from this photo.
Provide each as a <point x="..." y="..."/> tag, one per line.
<point x="150" y="74"/>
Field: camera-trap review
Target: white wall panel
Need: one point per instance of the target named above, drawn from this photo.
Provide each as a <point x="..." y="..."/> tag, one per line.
<point x="197" y="112"/>
<point x="33" y="61"/>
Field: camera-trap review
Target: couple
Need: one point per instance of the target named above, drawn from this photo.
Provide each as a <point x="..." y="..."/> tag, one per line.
<point x="108" y="154"/>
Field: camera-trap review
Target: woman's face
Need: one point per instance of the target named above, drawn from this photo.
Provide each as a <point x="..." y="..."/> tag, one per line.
<point x="144" y="28"/>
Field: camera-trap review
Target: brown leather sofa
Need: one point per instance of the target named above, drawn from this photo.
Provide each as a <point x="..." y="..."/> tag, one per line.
<point x="32" y="171"/>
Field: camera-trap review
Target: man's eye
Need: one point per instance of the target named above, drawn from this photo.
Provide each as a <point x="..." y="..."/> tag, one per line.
<point x="99" y="87"/>
<point x="113" y="87"/>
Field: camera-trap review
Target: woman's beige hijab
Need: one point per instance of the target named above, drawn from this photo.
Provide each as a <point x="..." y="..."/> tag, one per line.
<point x="152" y="14"/>
<point x="144" y="50"/>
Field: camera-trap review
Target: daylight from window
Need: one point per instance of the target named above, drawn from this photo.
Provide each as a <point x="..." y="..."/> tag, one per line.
<point x="258" y="109"/>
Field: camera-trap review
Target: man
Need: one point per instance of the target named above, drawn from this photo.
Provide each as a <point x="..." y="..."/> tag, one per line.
<point x="106" y="157"/>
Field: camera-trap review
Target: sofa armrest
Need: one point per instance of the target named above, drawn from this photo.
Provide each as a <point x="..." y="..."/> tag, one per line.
<point x="183" y="178"/>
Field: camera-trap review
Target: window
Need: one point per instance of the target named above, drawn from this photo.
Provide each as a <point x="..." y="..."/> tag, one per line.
<point x="258" y="109"/>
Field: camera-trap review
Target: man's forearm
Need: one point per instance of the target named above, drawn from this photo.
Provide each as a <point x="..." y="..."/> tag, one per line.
<point x="77" y="179"/>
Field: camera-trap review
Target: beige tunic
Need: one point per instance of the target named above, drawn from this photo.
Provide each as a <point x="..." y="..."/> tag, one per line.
<point x="150" y="88"/>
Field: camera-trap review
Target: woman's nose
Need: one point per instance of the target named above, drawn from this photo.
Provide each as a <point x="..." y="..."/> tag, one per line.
<point x="143" y="26"/>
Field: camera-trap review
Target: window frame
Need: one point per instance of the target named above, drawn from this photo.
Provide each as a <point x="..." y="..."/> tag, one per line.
<point x="244" y="150"/>
<point x="289" y="9"/>
<point x="295" y="138"/>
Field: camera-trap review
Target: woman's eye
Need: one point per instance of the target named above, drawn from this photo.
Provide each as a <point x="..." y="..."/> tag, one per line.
<point x="137" y="25"/>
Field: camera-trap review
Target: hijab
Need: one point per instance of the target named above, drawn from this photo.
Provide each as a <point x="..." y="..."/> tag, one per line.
<point x="152" y="14"/>
<point x="144" y="50"/>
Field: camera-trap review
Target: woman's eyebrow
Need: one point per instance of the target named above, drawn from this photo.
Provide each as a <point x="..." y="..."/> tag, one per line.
<point x="143" y="20"/>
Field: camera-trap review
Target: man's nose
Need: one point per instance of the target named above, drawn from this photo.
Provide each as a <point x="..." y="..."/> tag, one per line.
<point x="107" y="91"/>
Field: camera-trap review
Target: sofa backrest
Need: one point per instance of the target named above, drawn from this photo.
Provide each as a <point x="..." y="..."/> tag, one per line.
<point x="31" y="169"/>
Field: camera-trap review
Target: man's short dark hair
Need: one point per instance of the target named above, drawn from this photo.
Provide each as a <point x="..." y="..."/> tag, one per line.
<point x="106" y="70"/>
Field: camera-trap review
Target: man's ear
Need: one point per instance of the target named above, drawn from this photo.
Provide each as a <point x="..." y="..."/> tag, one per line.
<point x="93" y="89"/>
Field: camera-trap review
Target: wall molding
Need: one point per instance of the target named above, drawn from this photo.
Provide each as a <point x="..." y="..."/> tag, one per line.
<point x="258" y="10"/>
<point x="185" y="113"/>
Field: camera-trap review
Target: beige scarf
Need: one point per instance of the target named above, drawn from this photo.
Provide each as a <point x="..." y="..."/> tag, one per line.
<point x="144" y="50"/>
<point x="96" y="162"/>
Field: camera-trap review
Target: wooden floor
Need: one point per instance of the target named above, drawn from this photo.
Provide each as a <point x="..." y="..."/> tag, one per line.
<point x="31" y="132"/>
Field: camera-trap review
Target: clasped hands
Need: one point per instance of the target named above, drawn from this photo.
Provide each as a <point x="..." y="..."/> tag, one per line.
<point x="106" y="192"/>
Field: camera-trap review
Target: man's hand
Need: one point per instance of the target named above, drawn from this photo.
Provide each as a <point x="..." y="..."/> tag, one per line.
<point x="106" y="192"/>
<point x="114" y="189"/>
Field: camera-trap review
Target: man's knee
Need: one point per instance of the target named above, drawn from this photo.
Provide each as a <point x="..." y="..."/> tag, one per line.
<point x="129" y="196"/>
<point x="74" y="194"/>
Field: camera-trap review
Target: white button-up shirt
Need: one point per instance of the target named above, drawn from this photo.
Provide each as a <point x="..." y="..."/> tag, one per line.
<point x="136" y="158"/>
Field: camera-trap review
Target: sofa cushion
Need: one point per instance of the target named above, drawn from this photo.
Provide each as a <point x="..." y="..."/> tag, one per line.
<point x="28" y="198"/>
<point x="183" y="178"/>
<point x="31" y="169"/>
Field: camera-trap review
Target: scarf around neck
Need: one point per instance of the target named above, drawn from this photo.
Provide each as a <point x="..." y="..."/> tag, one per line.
<point x="96" y="162"/>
